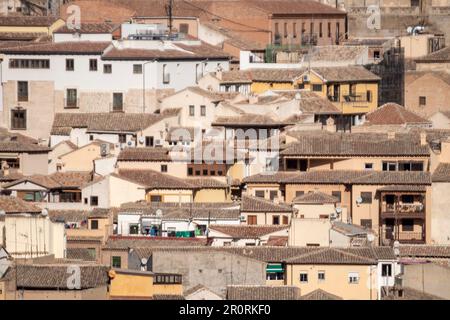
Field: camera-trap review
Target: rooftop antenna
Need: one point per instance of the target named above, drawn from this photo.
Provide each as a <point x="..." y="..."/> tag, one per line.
<point x="169" y="10"/>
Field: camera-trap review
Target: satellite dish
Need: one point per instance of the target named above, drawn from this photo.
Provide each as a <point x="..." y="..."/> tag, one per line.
<point x="2" y="212"/>
<point x="141" y="140"/>
<point x="144" y="261"/>
<point x="370" y="237"/>
<point x="44" y="212"/>
<point x="338" y="210"/>
<point x="409" y="30"/>
<point x="112" y="274"/>
<point x="159" y="212"/>
<point x="359" y="200"/>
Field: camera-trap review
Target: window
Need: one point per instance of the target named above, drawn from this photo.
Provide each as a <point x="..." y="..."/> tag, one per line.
<point x="166" y="74"/>
<point x="285" y="220"/>
<point x="117" y="101"/>
<point x="91" y="137"/>
<point x="252" y="220"/>
<point x="22" y="91"/>
<point x="156" y="198"/>
<point x="71" y="98"/>
<point x="273" y="194"/>
<point x="190" y="171"/>
<point x="29" y="64"/>
<point x="321" y="275"/>
<point x="366" y="197"/>
<point x="70" y="65"/>
<point x="353" y="277"/>
<point x="92" y="252"/>
<point x="317" y="87"/>
<point x="93" y="65"/>
<point x="19" y="119"/>
<point x="260" y="193"/>
<point x="94" y="201"/>
<point x="149" y="141"/>
<point x="137" y="68"/>
<point x="164" y="168"/>
<point x="122" y="138"/>
<point x="324" y="216"/>
<point x="369" y="96"/>
<point x="184" y="28"/>
<point x="366" y="223"/>
<point x="294" y="30"/>
<point x="329" y="29"/>
<point x="107" y="68"/>
<point x="368" y="166"/>
<point x="320" y="30"/>
<point x="285" y="30"/>
<point x="276" y="220"/>
<point x="197" y="72"/>
<point x="406" y="198"/>
<point x="94" y="224"/>
<point x="337" y="194"/>
<point x="203" y="111"/>
<point x="116" y="262"/>
<point x="389" y="166"/>
<point x="376" y="54"/>
<point x="134" y="228"/>
<point x="192" y="110"/>
<point x="407" y="225"/>
<point x="299" y="193"/>
<point x="386" y="270"/>
<point x="422" y="101"/>
<point x="303" y="277"/>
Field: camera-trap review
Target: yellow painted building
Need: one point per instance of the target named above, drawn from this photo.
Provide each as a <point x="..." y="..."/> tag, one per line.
<point x="262" y="86"/>
<point x="352" y="89"/>
<point x="38" y="25"/>
<point x="135" y="284"/>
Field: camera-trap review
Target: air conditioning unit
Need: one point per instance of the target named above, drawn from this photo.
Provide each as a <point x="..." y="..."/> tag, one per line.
<point x="159" y="142"/>
<point x="243" y="219"/>
<point x="306" y="78"/>
<point x="333" y="215"/>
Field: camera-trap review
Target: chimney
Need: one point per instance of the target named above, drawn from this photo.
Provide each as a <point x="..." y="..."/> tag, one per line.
<point x="391" y="135"/>
<point x="423" y="138"/>
<point x="219" y="74"/>
<point x="330" y="127"/>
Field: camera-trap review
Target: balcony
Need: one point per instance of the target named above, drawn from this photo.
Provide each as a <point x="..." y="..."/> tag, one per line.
<point x="404" y="237"/>
<point x="333" y="98"/>
<point x="403" y="210"/>
<point x="356" y="97"/>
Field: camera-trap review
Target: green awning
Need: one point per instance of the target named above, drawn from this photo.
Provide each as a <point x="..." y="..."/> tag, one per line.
<point x="274" y="268"/>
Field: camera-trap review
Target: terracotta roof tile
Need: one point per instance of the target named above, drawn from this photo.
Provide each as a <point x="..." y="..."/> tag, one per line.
<point x="442" y="173"/>
<point x="296" y="7"/>
<point x="315" y="197"/>
<point x="79" y="254"/>
<point x="155" y="180"/>
<point x="48" y="48"/>
<point x="144" y="154"/>
<point x="348" y="73"/>
<point x="90" y="28"/>
<point x="140" y="243"/>
<point x="12" y="205"/>
<point x="246" y="231"/>
<point x="333" y="256"/>
<point x="320" y="294"/>
<point x="255" y="204"/>
<point x="55" y="276"/>
<point x="394" y="114"/>
<point x="442" y="55"/>
<point x="277" y="241"/>
<point x="249" y="120"/>
<point x="425" y="251"/>
<point x="28" y="21"/>
<point x="56" y="180"/>
<point x="254" y="292"/>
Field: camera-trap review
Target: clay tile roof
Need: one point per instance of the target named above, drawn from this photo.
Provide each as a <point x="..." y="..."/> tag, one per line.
<point x="355" y="145"/>
<point x="21" y="36"/>
<point x="320" y="294"/>
<point x="246" y="231"/>
<point x="182" y="52"/>
<point x="256" y="292"/>
<point x="215" y="96"/>
<point x="28" y="21"/>
<point x="48" y="48"/>
<point x="276" y="178"/>
<point x="180" y="133"/>
<point x="256" y="204"/>
<point x="55" y="276"/>
<point x="155" y="180"/>
<point x="249" y="120"/>
<point x="394" y="114"/>
<point x="207" y="183"/>
<point x="315" y="197"/>
<point x="442" y="173"/>
<point x="104" y="122"/>
<point x="14" y="142"/>
<point x="348" y="73"/>
<point x="57" y="180"/>
<point x="425" y="251"/>
<point x="141" y="243"/>
<point x="13" y="205"/>
<point x="11" y="176"/>
<point x="144" y="154"/>
<point x="296" y="8"/>
<point x="333" y="256"/>
<point x="277" y="241"/>
<point x="442" y="55"/>
<point x="79" y="254"/>
<point x="90" y="28"/>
